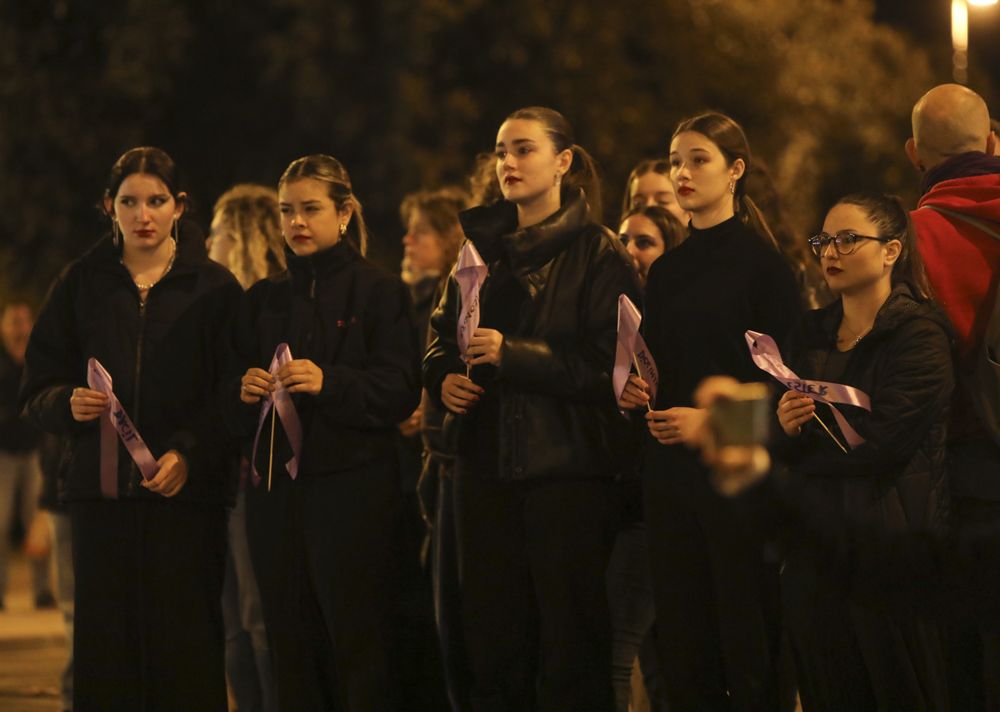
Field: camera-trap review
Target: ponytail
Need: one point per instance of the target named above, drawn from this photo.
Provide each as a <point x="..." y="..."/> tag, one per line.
<point x="751" y="216"/>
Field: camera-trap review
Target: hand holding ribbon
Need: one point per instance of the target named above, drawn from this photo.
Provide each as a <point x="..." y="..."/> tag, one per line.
<point x="631" y="391"/>
<point x="280" y="399"/>
<point x="766" y="355"/>
<point x="114" y="420"/>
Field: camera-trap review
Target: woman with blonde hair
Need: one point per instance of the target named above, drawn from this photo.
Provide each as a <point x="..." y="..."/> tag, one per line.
<point x="246" y="234"/>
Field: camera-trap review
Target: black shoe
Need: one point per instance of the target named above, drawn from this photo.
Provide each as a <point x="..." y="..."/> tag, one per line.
<point x="45" y="600"/>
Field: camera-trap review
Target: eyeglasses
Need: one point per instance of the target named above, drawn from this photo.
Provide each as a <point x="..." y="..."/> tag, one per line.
<point x="846" y="241"/>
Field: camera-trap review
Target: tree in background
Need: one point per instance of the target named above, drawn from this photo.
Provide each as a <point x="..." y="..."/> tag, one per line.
<point x="406" y="92"/>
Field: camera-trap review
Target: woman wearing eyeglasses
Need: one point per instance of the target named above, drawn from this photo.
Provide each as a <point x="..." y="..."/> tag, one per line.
<point x="884" y="336"/>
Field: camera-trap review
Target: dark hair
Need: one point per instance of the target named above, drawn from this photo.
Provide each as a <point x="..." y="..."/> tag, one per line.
<point x="672" y="230"/>
<point x="651" y="165"/>
<point x="893" y="221"/>
<point x="583" y="170"/>
<point x="145" y="159"/>
<point x="728" y="135"/>
<point x="329" y="170"/>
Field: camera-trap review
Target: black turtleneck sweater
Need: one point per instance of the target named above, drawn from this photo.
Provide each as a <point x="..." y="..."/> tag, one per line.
<point x="356" y="323"/>
<point x="700" y="299"/>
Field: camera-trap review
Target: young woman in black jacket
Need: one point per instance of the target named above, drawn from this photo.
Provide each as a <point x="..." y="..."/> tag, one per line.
<point x="147" y="303"/>
<point x="538" y="446"/>
<point x="853" y="648"/>
<point x="320" y="535"/>
<point x="716" y="596"/>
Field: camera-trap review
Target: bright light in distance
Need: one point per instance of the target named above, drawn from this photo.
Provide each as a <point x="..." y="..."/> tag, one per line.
<point x="959" y="25"/>
<point x="983" y="3"/>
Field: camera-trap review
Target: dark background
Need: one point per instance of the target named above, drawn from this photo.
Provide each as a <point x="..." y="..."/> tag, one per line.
<point x="406" y="92"/>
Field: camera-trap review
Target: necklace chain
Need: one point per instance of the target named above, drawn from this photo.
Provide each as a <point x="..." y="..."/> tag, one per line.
<point x="142" y="286"/>
<point x="857" y="339"/>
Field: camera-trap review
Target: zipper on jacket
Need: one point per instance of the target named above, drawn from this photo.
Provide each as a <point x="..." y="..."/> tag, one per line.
<point x="133" y="476"/>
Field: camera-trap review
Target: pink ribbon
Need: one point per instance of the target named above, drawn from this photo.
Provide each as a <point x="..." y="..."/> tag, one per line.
<point x="470" y="273"/>
<point x="631" y="348"/>
<point x="116" y="420"/>
<point x="765" y="354"/>
<point x="285" y="409"/>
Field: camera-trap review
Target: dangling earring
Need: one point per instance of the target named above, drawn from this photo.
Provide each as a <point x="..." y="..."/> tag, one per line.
<point x="343" y="229"/>
<point x="177" y="231"/>
<point x="115" y="233"/>
<point x="557" y="179"/>
<point x="732" y="186"/>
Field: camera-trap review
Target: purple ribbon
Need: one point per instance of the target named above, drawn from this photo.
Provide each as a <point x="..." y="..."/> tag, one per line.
<point x="631" y="349"/>
<point x="116" y="420"/>
<point x="470" y="273"/>
<point x="765" y="354"/>
<point x="285" y="409"/>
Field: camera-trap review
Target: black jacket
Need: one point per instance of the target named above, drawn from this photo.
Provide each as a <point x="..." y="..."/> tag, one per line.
<point x="895" y="481"/>
<point x="356" y="323"/>
<point x="16" y="435"/>
<point x="166" y="361"/>
<point x="555" y="410"/>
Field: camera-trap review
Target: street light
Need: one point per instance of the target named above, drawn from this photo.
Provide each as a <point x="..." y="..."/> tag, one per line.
<point x="960" y="36"/>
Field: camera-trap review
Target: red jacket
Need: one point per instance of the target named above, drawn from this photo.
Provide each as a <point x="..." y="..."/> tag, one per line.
<point x="963" y="266"/>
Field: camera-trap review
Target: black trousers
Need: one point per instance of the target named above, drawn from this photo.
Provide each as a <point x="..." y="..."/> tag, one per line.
<point x="148" y="619"/>
<point x="851" y="655"/>
<point x="717" y="622"/>
<point x="533" y="557"/>
<point x="322" y="552"/>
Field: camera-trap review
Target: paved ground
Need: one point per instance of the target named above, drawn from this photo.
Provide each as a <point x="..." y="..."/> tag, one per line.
<point x="32" y="649"/>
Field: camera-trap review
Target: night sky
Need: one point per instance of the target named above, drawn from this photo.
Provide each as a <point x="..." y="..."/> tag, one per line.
<point x="929" y="22"/>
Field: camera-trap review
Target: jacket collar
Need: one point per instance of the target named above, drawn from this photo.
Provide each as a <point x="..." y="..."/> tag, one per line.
<point x="493" y="230"/>
<point x="321" y="265"/>
<point x="964" y="165"/>
<point x="901" y="307"/>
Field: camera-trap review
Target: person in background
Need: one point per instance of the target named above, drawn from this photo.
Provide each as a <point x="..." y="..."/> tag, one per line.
<point x="431" y="243"/>
<point x="20" y="476"/>
<point x="954" y="150"/>
<point x="647" y="232"/>
<point x="649" y="184"/>
<point x="246" y="238"/>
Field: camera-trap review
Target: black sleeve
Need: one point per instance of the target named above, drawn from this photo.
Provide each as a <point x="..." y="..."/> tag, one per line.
<point x="242" y="353"/>
<point x="580" y="369"/>
<point x="387" y="389"/>
<point x="206" y="441"/>
<point x="442" y="356"/>
<point x="54" y="365"/>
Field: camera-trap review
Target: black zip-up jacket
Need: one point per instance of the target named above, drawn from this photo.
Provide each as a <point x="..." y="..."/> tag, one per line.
<point x="165" y="358"/>
<point x="895" y="481"/>
<point x="16" y="435"/>
<point x="356" y="323"/>
<point x="555" y="410"/>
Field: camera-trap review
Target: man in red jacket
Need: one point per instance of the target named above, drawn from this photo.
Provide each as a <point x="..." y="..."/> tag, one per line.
<point x="954" y="149"/>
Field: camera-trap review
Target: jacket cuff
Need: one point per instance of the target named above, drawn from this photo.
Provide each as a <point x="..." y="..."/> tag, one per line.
<point x="520" y="356"/>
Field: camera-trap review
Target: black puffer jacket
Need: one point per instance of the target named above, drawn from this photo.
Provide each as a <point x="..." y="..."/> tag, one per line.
<point x="556" y="414"/>
<point x="356" y="323"/>
<point x="895" y="481"/>
<point x="166" y="360"/>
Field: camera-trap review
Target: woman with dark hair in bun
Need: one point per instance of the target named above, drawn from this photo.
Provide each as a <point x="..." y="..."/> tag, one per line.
<point x="149" y="525"/>
<point x="854" y="646"/>
<point x="320" y="519"/>
<point x="540" y="444"/>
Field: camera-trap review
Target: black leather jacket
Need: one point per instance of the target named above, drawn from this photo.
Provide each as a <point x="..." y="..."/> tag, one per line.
<point x="557" y="415"/>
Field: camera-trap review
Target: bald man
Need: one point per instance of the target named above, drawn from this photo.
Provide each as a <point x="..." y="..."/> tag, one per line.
<point x="953" y="147"/>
